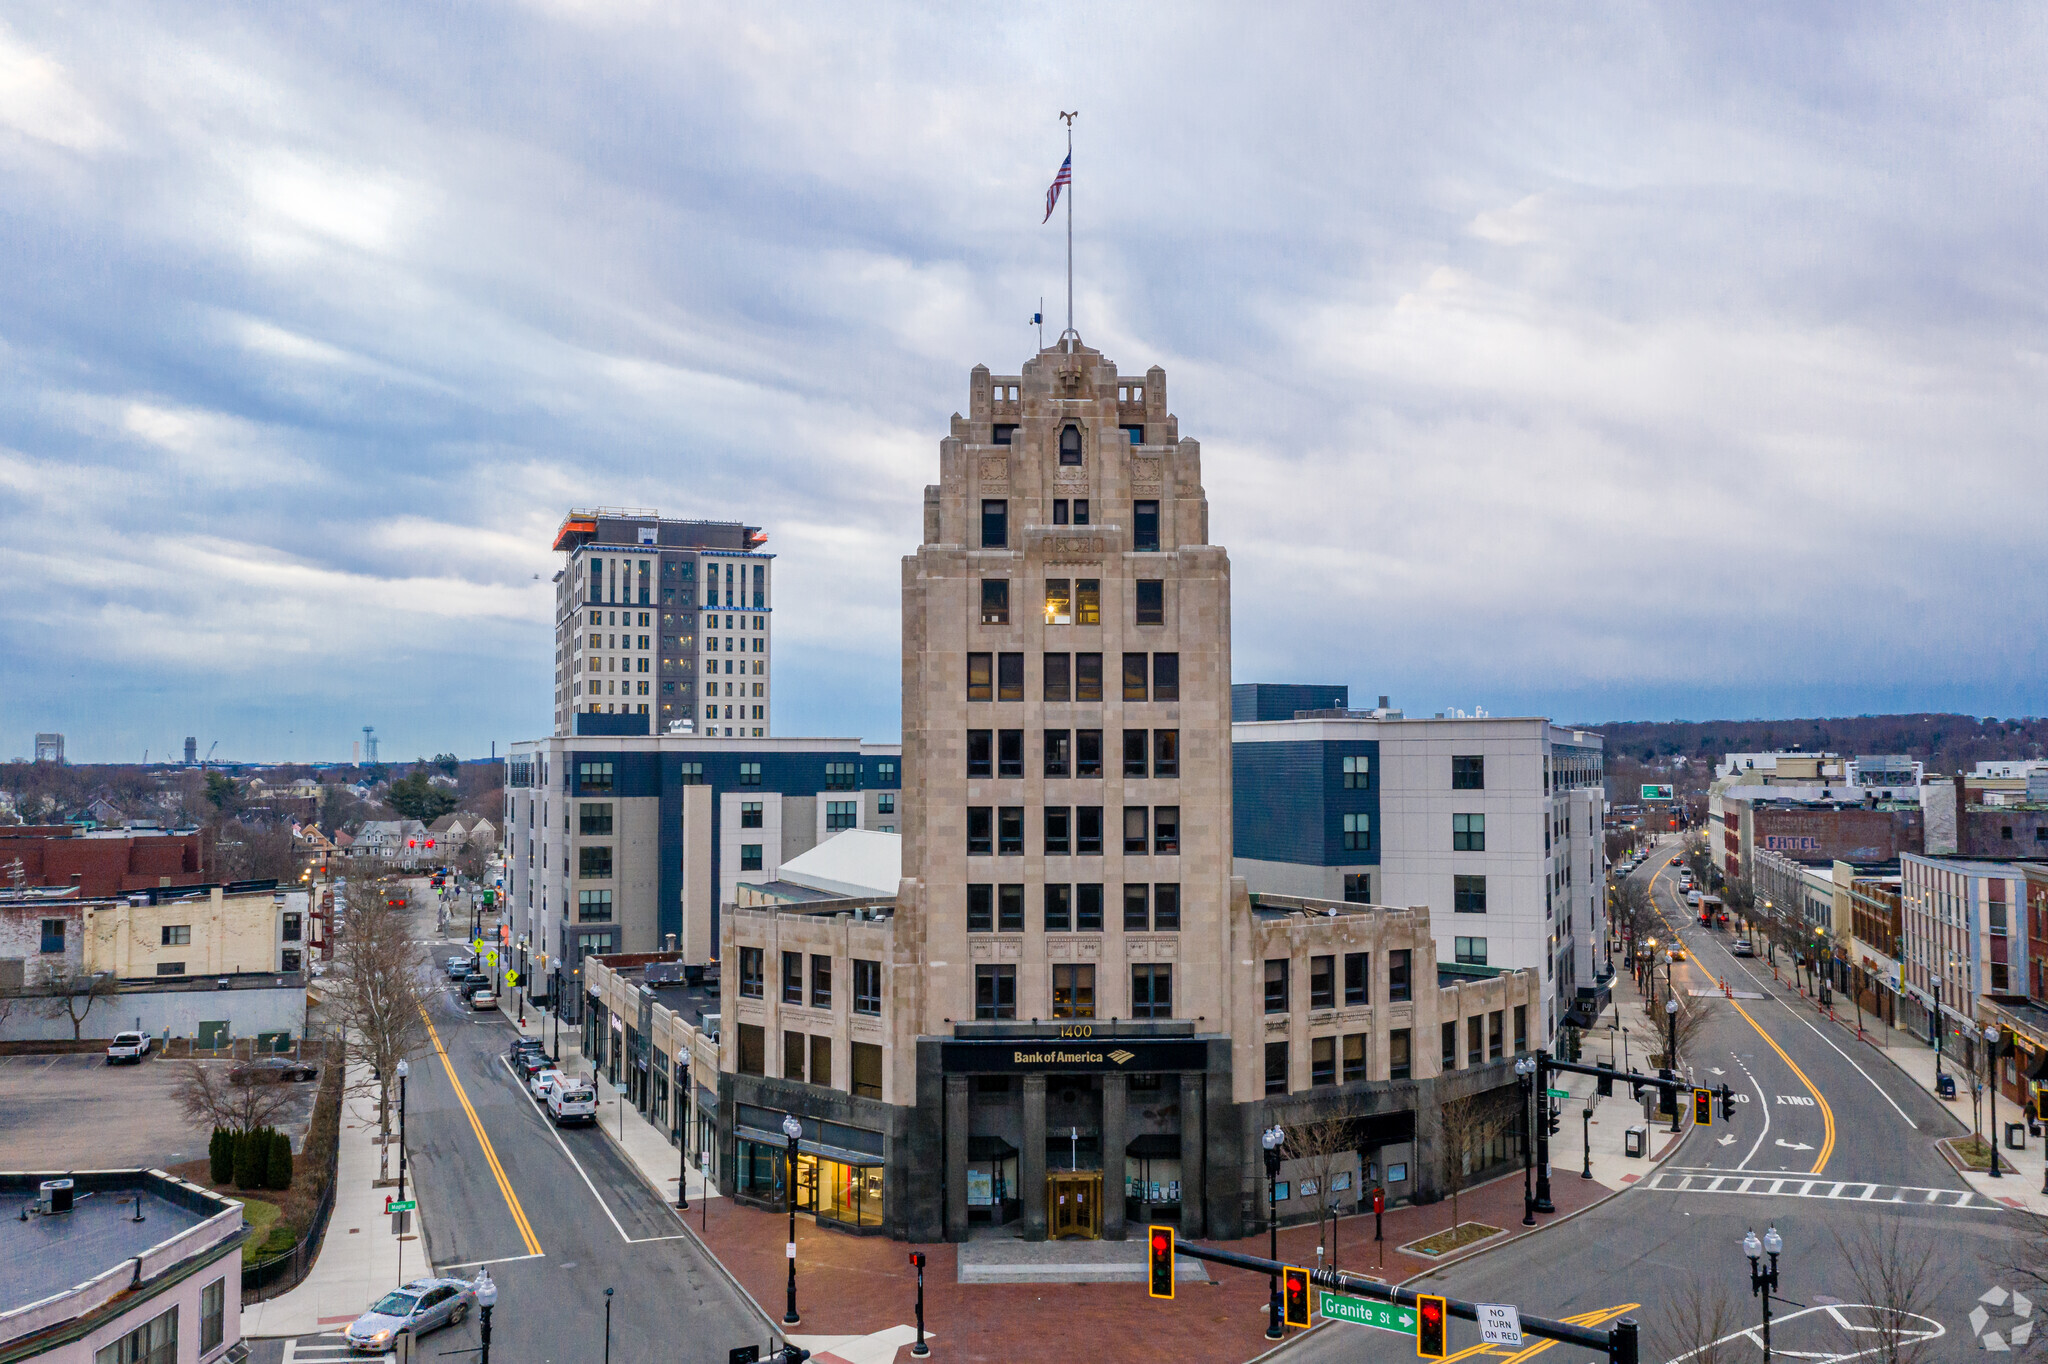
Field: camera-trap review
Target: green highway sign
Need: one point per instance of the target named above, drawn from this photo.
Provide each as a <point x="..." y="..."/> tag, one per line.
<point x="1381" y="1316"/>
<point x="407" y="1206"/>
<point x="1558" y="1093"/>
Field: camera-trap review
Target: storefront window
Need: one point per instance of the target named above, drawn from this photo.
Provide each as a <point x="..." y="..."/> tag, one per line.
<point x="850" y="1194"/>
<point x="759" y="1171"/>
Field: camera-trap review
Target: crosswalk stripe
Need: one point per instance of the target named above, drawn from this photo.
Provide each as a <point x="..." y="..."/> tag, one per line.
<point x="1707" y="1181"/>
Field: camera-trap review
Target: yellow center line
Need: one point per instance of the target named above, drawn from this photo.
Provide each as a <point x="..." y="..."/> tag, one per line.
<point x="1509" y="1354"/>
<point x="1827" y="1115"/>
<point x="490" y="1155"/>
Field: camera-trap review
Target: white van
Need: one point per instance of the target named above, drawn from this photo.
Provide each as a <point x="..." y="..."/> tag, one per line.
<point x="572" y="1101"/>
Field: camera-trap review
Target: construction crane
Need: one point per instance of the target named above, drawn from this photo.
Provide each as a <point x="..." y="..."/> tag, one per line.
<point x="209" y="753"/>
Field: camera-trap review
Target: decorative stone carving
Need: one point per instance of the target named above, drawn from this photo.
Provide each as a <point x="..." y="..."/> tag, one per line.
<point x="1145" y="475"/>
<point x="996" y="468"/>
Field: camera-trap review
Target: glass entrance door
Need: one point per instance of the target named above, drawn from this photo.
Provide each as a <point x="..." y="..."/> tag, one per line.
<point x="806" y="1182"/>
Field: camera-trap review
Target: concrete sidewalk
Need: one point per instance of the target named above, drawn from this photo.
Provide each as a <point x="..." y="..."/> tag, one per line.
<point x="359" y="1260"/>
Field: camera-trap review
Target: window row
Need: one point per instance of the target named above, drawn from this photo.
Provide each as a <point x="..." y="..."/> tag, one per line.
<point x="867" y="980"/>
<point x="1072" y="677"/>
<point x="1072" y="831"/>
<point x="1354" y="1048"/>
<point x="1485" y="1037"/>
<point x="1075" y="601"/>
<point x="995" y="521"/>
<point x="1075" y="753"/>
<point x="1073" y="991"/>
<point x="1323" y="980"/>
<point x="808" y="1059"/>
<point x="1151" y="908"/>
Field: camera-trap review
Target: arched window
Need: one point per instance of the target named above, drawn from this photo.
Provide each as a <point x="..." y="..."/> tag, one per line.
<point x="1070" y="445"/>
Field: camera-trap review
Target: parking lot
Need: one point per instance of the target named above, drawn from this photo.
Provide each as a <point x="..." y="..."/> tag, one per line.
<point x="79" y="1113"/>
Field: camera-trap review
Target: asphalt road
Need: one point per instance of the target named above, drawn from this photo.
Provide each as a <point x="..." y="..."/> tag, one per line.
<point x="1832" y="1145"/>
<point x="558" y="1217"/>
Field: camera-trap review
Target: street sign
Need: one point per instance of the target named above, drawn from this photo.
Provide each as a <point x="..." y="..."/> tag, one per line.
<point x="511" y="977"/>
<point x="1558" y="1093"/>
<point x="407" y="1206"/>
<point x="1381" y="1316"/>
<point x="492" y="958"/>
<point x="1659" y="792"/>
<point x="1500" y="1323"/>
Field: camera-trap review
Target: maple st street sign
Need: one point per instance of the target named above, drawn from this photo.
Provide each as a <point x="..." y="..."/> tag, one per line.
<point x="1383" y="1316"/>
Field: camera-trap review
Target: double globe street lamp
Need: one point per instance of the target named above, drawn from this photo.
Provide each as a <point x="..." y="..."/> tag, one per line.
<point x="1763" y="1282"/>
<point x="1272" y="1139"/>
<point x="792" y="1129"/>
<point x="1525" y="1071"/>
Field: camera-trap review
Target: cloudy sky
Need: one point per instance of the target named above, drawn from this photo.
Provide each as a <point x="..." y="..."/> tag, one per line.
<point x="1623" y="362"/>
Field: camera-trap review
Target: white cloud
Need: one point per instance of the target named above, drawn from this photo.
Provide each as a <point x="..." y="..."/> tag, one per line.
<point x="38" y="99"/>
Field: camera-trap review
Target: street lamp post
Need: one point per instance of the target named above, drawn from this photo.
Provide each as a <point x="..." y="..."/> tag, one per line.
<point x="607" y="1326"/>
<point x="403" y="1071"/>
<point x="1271" y="1139"/>
<point x="1763" y="1282"/>
<point x="682" y="1126"/>
<point x="791" y="1129"/>
<point x="1671" y="1051"/>
<point x="1525" y="1068"/>
<point x="1541" y="1085"/>
<point x="1990" y="1070"/>
<point x="1586" y="1131"/>
<point x="486" y="1299"/>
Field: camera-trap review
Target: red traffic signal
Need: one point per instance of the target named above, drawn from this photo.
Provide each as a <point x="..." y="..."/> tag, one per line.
<point x="1432" y="1328"/>
<point x="1379" y="1200"/>
<point x="1159" y="1252"/>
<point x="1294" y="1297"/>
<point x="1703" y="1107"/>
<point x="917" y="1259"/>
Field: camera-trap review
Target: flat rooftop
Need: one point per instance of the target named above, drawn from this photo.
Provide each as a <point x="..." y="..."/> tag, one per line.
<point x="49" y="1255"/>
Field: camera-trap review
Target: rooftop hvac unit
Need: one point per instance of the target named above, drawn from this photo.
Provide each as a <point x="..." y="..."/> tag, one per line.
<point x="54" y="1196"/>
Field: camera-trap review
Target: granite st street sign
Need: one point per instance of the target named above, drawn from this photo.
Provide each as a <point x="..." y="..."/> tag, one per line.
<point x="1383" y="1316"/>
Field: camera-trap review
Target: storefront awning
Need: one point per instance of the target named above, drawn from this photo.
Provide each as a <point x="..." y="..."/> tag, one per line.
<point x="1154" y="1146"/>
<point x="810" y="1148"/>
<point x="989" y="1148"/>
<point x="2039" y="1072"/>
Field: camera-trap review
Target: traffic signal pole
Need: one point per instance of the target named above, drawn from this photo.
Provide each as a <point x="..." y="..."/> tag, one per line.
<point x="1618" y="1343"/>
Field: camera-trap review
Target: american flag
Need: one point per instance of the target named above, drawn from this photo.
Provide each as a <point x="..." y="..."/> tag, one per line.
<point x="1052" y="196"/>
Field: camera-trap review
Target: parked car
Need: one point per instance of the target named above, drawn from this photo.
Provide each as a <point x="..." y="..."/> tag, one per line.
<point x="483" y="999"/>
<point x="572" y="1101"/>
<point x="1741" y="948"/>
<point x="128" y="1046"/>
<point x="519" y="1044"/>
<point x="544" y="1082"/>
<point x="473" y="982"/>
<point x="419" y="1307"/>
<point x="271" y="1070"/>
<point x="1692" y="897"/>
<point x="458" y="967"/>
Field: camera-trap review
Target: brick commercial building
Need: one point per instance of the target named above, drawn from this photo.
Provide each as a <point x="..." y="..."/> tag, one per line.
<point x="102" y="863"/>
<point x="1819" y="831"/>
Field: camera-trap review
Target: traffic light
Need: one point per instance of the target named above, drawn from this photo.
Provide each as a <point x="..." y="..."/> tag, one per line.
<point x="1555" y="1112"/>
<point x="1162" y="1262"/>
<point x="1294" y="1297"/>
<point x="1727" y="1102"/>
<point x="1703" y="1108"/>
<point x="1432" y="1328"/>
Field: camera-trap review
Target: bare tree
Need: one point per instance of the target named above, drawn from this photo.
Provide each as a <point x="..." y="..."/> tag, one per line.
<point x="377" y="991"/>
<point x="1321" y="1148"/>
<point x="1467" y="1127"/>
<point x="1695" y="1323"/>
<point x="1891" y="1265"/>
<point x="206" y="1096"/>
<point x="67" y="990"/>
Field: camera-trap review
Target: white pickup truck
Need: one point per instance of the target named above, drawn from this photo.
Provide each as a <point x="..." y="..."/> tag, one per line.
<point x="128" y="1046"/>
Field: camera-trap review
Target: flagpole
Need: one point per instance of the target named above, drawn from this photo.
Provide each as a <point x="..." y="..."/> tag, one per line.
<point x="1070" y="228"/>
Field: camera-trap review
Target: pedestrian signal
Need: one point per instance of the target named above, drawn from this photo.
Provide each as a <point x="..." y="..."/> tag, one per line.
<point x="1432" y="1328"/>
<point x="1162" y="1262"/>
<point x="1703" y="1108"/>
<point x="1294" y="1297"/>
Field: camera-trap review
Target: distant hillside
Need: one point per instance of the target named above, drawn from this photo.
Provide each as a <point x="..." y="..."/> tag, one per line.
<point x="1946" y="743"/>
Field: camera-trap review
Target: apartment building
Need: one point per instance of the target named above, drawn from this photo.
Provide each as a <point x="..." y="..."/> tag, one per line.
<point x="631" y="843"/>
<point x="1493" y="823"/>
<point x="1071" y="1014"/>
<point x="1966" y="938"/>
<point x="672" y="620"/>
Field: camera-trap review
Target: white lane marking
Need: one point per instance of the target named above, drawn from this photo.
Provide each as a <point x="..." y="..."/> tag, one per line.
<point x="1762" y="1103"/>
<point x="556" y="1133"/>
<point x="501" y="1260"/>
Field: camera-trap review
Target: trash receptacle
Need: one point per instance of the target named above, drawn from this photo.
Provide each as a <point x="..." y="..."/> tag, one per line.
<point x="1638" y="1141"/>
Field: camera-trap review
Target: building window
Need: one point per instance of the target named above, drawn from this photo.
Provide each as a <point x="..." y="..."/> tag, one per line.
<point x="177" y="935"/>
<point x="170" y="968"/>
<point x="1070" y="444"/>
<point x="1010" y="909"/>
<point x="995" y="992"/>
<point x="1357" y="773"/>
<point x="1134" y="677"/>
<point x="1136" y="835"/>
<point x="1145" y="525"/>
<point x="594" y="776"/>
<point x="1087" y="677"/>
<point x="1357" y="974"/>
<point x="1450" y="1058"/>
<point x="753" y="1049"/>
<point x="1087" y="752"/>
<point x="1358" y="833"/>
<point x="1073" y="992"/>
<point x="1137" y="908"/>
<point x="995" y="523"/>
<point x="1468" y="894"/>
<point x="750" y="857"/>
<point x="885" y="771"/>
<point x="1151" y="990"/>
<point x="885" y="803"/>
<point x="1059" y="599"/>
<point x="1322" y="1061"/>
<point x="1058" y="831"/>
<point x="1002" y="433"/>
<point x="1358" y="888"/>
<point x="594" y="820"/>
<point x="792" y="977"/>
<point x="1058" y="680"/>
<point x="1397" y="975"/>
<point x="1088" y="908"/>
<point x="750" y="774"/>
<point x="1136" y="434"/>
<point x="1166" y="677"/>
<point x="981" y="677"/>
<point x="1397" y="1054"/>
<point x="213" y="1319"/>
<point x="1088" y="831"/>
<point x="1087" y="591"/>
<point x="821" y="982"/>
<point x="980" y="830"/>
<point x="53" y="936"/>
<point x="1354" y="1056"/>
<point x="1470" y="951"/>
<point x="1276" y="1067"/>
<point x="1468" y="833"/>
<point x="1010" y="831"/>
<point x="866" y="1063"/>
<point x="867" y="987"/>
<point x="690" y="774"/>
<point x="594" y="863"/>
<point x="842" y="776"/>
<point x="153" y="1342"/>
<point x="1010" y="753"/>
<point x="290" y="960"/>
<point x="1166" y="907"/>
<point x="995" y="601"/>
<point x="1521" y="1028"/>
<point x="1166" y="830"/>
<point x="291" y="929"/>
<point x="750" y="814"/>
<point x="1166" y="753"/>
<point x="1322" y="982"/>
<point x="1009" y="677"/>
<point x="981" y="909"/>
<point x="1137" y="752"/>
<point x="1059" y="908"/>
<point x="981" y="753"/>
<point x="1475" y="1043"/>
<point x="1276" y="986"/>
<point x="821" y="1060"/>
<point x="593" y="906"/>
<point x="1058" y="752"/>
<point x="1468" y="773"/>
<point x="1151" y="601"/>
<point x="841" y="814"/>
<point x="794" y="1045"/>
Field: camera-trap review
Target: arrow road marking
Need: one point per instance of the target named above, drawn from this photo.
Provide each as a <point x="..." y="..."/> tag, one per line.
<point x="1726" y="1141"/>
<point x="1793" y="1145"/>
<point x="1716" y="1070"/>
